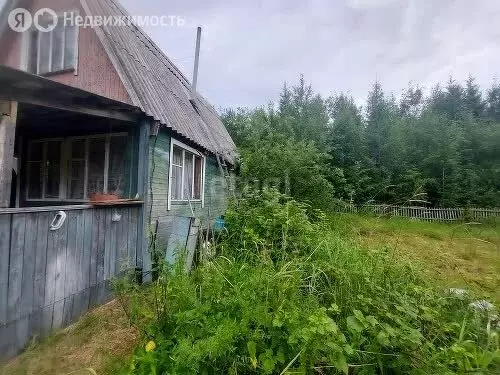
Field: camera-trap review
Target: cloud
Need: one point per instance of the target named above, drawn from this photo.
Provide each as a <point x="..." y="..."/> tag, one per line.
<point x="364" y="4"/>
<point x="250" y="48"/>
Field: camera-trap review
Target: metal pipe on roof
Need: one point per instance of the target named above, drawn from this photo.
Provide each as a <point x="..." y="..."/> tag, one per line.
<point x="196" y="63"/>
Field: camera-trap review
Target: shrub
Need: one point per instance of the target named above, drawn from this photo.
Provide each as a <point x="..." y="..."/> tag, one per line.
<point x="267" y="223"/>
<point x="297" y="168"/>
<point x="306" y="301"/>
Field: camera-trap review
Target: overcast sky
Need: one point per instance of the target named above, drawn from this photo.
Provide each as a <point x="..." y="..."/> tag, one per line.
<point x="250" y="48"/>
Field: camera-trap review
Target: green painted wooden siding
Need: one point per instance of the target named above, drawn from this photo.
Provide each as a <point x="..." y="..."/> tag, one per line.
<point x="215" y="191"/>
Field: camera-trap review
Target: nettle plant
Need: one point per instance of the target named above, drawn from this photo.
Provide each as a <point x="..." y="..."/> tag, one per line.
<point x="287" y="295"/>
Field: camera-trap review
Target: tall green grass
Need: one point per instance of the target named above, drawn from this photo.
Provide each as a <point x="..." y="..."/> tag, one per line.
<point x="288" y="294"/>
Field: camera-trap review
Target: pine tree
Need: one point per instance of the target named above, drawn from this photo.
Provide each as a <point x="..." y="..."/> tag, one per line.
<point x="472" y="97"/>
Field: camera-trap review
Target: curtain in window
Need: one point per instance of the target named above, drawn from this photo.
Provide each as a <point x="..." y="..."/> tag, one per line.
<point x="177" y="174"/>
<point x="188" y="175"/>
<point x="198" y="173"/>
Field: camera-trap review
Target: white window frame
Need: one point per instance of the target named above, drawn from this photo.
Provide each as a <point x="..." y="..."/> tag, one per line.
<point x="184" y="147"/>
<point x="26" y="45"/>
<point x="65" y="162"/>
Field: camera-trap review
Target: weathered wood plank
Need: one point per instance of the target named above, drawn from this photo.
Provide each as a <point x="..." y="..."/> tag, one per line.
<point x="108" y="250"/>
<point x="132" y="237"/>
<point x="29" y="264"/>
<point x="80" y="304"/>
<point x="41" y="260"/>
<point x="143" y="258"/>
<point x="96" y="223"/>
<point x="50" y="277"/>
<point x="8" y="118"/>
<point x="35" y="323"/>
<point x="87" y="250"/>
<point x="78" y="254"/>
<point x="122" y="239"/>
<point x="16" y="267"/>
<point x="113" y="245"/>
<point x="57" y="317"/>
<point x="93" y="296"/>
<point x="8" y="339"/>
<point x="47" y="315"/>
<point x="5" y="226"/>
<point x="22" y="333"/>
<point x="67" y="310"/>
<point x="56" y="276"/>
<point x="101" y="215"/>
<point x="60" y="271"/>
<point x="71" y="272"/>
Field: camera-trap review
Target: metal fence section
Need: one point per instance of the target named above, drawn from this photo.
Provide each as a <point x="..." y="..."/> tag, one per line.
<point x="423" y="213"/>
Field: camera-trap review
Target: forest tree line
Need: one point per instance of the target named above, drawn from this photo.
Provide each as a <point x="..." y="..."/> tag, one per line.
<point x="440" y="149"/>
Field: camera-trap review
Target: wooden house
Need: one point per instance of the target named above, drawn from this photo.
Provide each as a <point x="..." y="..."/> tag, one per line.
<point x="85" y="113"/>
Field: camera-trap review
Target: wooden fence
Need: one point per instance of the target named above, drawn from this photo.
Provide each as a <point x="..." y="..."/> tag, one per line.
<point x="423" y="213"/>
<point x="50" y="277"/>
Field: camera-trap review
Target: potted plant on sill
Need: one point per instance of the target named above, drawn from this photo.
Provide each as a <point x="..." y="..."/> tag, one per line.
<point x="101" y="197"/>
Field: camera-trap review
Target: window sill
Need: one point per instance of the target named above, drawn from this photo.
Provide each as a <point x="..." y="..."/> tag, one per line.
<point x="58" y="202"/>
<point x="50" y="74"/>
<point x="182" y="203"/>
<point x="64" y="208"/>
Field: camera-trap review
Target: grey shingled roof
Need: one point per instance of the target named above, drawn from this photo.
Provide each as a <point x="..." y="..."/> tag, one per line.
<point x="156" y="85"/>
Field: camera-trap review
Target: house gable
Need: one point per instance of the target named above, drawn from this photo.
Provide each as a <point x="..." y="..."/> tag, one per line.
<point x="123" y="63"/>
<point x="95" y="72"/>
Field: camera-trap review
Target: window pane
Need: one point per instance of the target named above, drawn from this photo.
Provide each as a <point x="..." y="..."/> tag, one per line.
<point x="70" y="47"/>
<point x="198" y="170"/>
<point x="35" y="180"/>
<point x="44" y="53"/>
<point x="35" y="151"/>
<point x="119" y="166"/>
<point x="96" y="165"/>
<point x="176" y="183"/>
<point x="53" y="169"/>
<point x="78" y="149"/>
<point x="33" y="52"/>
<point x="177" y="159"/>
<point x="188" y="175"/>
<point x="57" y="47"/>
<point x="77" y="182"/>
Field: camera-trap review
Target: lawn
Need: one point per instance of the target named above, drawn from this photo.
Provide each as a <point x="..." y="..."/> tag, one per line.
<point x="455" y="255"/>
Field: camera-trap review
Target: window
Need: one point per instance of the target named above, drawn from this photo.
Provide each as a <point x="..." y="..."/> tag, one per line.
<point x="75" y="168"/>
<point x="54" y="51"/>
<point x="187" y="174"/>
<point x="44" y="170"/>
